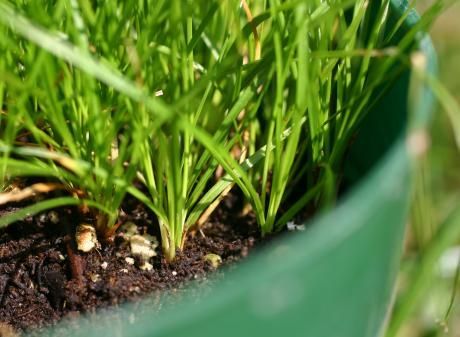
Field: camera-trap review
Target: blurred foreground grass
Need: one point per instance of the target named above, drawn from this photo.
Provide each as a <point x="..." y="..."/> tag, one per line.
<point x="438" y="194"/>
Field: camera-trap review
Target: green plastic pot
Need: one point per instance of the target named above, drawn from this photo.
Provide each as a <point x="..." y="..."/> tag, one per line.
<point x="336" y="278"/>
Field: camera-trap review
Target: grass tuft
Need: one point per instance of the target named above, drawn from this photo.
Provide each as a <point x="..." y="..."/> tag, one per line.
<point x="178" y="102"/>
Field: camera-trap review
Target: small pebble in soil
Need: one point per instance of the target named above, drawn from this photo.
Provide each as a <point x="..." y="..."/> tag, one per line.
<point x="128" y="229"/>
<point x="104" y="265"/>
<point x="54" y="217"/>
<point x="146" y="266"/>
<point x="129" y="260"/>
<point x="214" y="259"/>
<point x="143" y="246"/>
<point x="95" y="277"/>
<point x="86" y="238"/>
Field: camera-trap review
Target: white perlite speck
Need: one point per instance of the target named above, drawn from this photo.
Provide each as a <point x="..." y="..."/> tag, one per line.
<point x="86" y="238"/>
<point x="129" y="260"/>
<point x="146" y="266"/>
<point x="143" y="246"/>
<point x="292" y="226"/>
<point x="129" y="229"/>
<point x="95" y="277"/>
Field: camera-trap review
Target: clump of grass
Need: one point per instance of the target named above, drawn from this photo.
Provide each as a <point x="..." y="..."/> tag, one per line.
<point x="319" y="86"/>
<point x="74" y="126"/>
<point x="265" y="95"/>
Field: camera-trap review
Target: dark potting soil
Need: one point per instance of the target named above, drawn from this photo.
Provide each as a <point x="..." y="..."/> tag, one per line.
<point x="36" y="284"/>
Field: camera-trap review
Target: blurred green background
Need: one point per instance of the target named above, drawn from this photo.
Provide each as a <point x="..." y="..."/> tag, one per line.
<point x="437" y="195"/>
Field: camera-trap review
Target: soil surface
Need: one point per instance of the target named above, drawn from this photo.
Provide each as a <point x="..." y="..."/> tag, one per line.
<point x="36" y="284"/>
